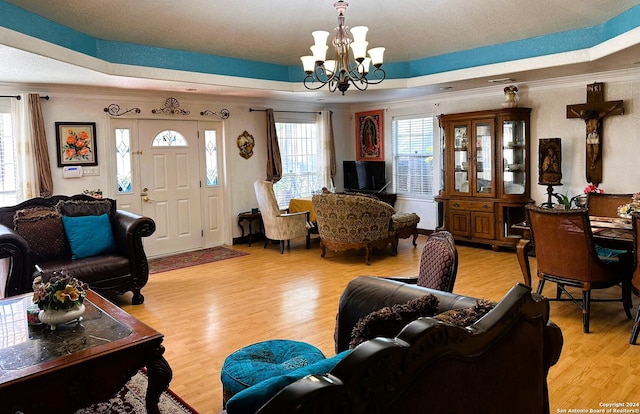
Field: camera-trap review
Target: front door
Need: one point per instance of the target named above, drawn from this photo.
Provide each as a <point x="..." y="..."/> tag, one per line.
<point x="170" y="185"/>
<point x="168" y="170"/>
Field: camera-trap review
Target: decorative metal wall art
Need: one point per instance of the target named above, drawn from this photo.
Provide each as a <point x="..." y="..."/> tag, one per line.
<point x="223" y="114"/>
<point x="171" y="107"/>
<point x="246" y="144"/>
<point x="115" y="110"/>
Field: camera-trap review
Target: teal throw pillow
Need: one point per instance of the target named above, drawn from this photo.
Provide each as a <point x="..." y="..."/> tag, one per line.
<point x="251" y="399"/>
<point x="89" y="235"/>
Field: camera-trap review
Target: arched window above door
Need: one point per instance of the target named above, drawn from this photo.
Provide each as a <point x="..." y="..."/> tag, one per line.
<point x="169" y="138"/>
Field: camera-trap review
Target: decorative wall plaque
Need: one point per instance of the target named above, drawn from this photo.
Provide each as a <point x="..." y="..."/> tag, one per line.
<point x="246" y="144"/>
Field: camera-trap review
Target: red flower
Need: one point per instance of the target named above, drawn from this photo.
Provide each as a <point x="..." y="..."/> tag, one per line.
<point x="593" y="189"/>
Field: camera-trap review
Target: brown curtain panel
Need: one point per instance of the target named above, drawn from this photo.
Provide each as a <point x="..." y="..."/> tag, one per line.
<point x="40" y="148"/>
<point x="274" y="161"/>
<point x="332" y="150"/>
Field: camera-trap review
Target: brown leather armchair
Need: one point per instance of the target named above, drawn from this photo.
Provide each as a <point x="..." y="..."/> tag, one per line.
<point x="123" y="269"/>
<point x="566" y="255"/>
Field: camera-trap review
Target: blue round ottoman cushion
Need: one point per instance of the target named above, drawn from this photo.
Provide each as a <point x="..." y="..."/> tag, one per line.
<point x="255" y="363"/>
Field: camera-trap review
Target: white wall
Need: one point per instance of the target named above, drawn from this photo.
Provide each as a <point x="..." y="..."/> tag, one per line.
<point x="548" y="119"/>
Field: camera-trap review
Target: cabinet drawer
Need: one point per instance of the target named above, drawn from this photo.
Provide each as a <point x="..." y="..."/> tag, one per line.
<point x="472" y="205"/>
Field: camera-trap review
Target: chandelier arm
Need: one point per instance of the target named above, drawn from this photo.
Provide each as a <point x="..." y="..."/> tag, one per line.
<point x="310" y="80"/>
<point x="360" y="84"/>
<point x="333" y="84"/>
<point x="354" y="73"/>
<point x="380" y="75"/>
<point x="319" y="73"/>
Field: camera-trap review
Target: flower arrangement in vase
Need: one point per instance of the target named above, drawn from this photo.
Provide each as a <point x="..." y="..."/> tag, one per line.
<point x="591" y="188"/>
<point x="60" y="299"/>
<point x="627" y="210"/>
<point x="93" y="193"/>
<point x="510" y="96"/>
<point x="581" y="201"/>
<point x="577" y="201"/>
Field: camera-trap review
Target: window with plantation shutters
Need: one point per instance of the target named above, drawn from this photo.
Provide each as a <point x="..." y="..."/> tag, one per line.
<point x="299" y="150"/>
<point x="413" y="155"/>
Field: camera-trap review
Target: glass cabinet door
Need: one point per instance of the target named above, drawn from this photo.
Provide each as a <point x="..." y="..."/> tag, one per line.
<point x="514" y="157"/>
<point x="484" y="157"/>
<point x="461" y="158"/>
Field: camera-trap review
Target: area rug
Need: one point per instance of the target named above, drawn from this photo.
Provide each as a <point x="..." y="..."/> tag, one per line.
<point x="130" y="400"/>
<point x="198" y="257"/>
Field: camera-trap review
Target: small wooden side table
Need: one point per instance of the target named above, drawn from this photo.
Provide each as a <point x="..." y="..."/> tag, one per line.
<point x="249" y="217"/>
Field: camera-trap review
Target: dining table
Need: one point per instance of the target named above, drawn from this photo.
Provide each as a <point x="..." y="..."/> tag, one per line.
<point x="611" y="232"/>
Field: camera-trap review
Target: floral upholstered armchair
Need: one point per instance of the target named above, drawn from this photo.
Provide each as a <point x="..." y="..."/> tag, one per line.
<point x="347" y="221"/>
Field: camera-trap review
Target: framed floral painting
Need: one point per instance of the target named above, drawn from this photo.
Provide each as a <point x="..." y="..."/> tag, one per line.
<point x="369" y="138"/>
<point x="76" y="143"/>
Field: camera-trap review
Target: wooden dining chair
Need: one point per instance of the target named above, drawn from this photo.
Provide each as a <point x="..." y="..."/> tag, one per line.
<point x="635" y="281"/>
<point x="566" y="255"/>
<point x="605" y="204"/>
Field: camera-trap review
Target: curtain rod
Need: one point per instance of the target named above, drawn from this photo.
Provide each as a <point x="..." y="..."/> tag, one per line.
<point x="18" y="97"/>
<point x="295" y="112"/>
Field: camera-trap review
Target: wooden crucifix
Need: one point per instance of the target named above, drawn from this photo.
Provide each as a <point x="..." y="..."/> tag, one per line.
<point x="592" y="113"/>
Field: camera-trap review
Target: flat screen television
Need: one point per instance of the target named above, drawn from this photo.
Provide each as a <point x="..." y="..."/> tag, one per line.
<point x="364" y="176"/>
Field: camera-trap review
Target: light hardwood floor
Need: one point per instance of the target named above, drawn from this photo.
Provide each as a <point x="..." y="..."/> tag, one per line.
<point x="207" y="312"/>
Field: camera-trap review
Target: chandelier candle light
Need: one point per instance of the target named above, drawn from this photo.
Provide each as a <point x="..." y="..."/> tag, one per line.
<point x="340" y="72"/>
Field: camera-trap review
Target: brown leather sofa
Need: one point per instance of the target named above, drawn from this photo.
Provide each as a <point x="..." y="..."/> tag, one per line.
<point x="123" y="268"/>
<point x="499" y="364"/>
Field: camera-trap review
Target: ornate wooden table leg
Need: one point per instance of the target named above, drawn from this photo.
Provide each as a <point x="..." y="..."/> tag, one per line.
<point x="159" y="374"/>
<point x="522" y="252"/>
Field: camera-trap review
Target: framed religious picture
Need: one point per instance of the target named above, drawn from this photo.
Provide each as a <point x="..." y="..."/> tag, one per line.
<point x="76" y="143"/>
<point x="550" y="161"/>
<point x="369" y="136"/>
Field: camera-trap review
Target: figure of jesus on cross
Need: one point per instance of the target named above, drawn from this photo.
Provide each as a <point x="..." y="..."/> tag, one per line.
<point x="592" y="113"/>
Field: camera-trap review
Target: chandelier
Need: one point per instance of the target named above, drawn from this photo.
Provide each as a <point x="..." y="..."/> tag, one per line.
<point x="340" y="72"/>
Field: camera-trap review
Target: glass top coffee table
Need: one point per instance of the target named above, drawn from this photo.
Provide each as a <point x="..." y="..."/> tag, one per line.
<point x="79" y="363"/>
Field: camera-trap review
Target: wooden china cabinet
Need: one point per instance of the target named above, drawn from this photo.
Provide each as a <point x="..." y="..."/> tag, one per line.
<point x="486" y="175"/>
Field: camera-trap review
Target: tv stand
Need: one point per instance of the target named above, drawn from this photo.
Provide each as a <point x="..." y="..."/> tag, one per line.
<point x="389" y="198"/>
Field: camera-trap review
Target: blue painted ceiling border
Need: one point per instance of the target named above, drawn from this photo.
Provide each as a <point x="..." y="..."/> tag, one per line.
<point x="30" y="24"/>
